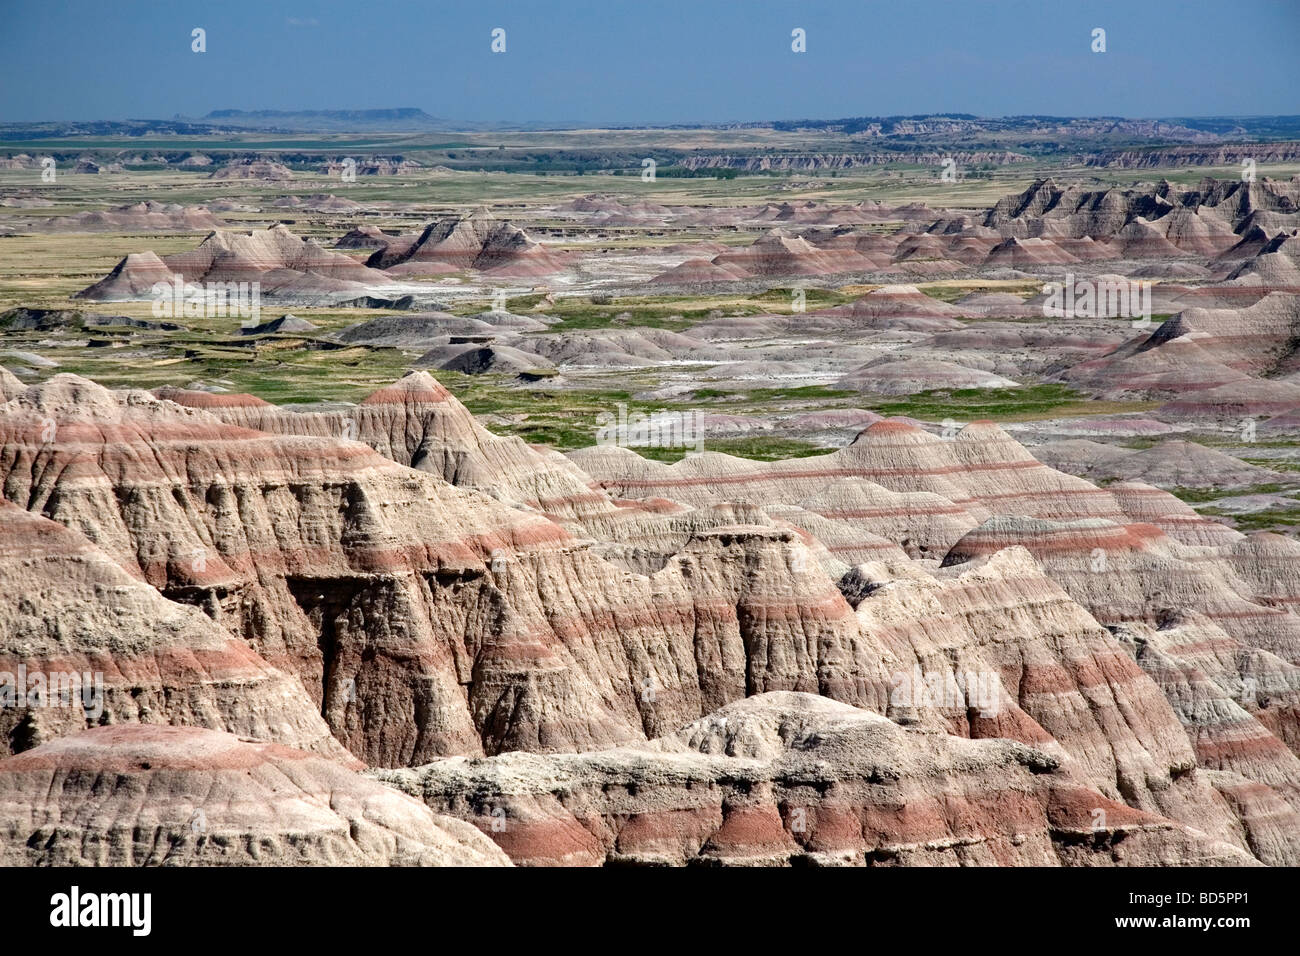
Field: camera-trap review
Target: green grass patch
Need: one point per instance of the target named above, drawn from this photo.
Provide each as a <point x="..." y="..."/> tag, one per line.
<point x="756" y="449"/>
<point x="1197" y="495"/>
<point x="781" y="298"/>
<point x="966" y="404"/>
<point x="1278" y="521"/>
<point x="1275" y="464"/>
<point x="794" y="393"/>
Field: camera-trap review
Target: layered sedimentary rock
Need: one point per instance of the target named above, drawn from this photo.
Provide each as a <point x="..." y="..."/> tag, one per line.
<point x="922" y="523"/>
<point x="1147" y="504"/>
<point x="253" y="169"/>
<point x="890" y="375"/>
<point x="1113" y="567"/>
<point x="776" y="253"/>
<point x="477" y="241"/>
<point x="785" y="778"/>
<point x="1170" y="464"/>
<point x="1237" y="704"/>
<point x="1144" y="222"/>
<point x="1027" y="253"/>
<point x="329" y="559"/>
<point x="83" y="642"/>
<point x="1199" y="350"/>
<point x="440" y="592"/>
<point x="981" y="470"/>
<point x="425" y="619"/>
<point x="148" y="216"/>
<point x="1134" y="574"/>
<point x="175" y="796"/>
<point x="283" y="264"/>
<point x="1036" y="668"/>
<point x="417" y="422"/>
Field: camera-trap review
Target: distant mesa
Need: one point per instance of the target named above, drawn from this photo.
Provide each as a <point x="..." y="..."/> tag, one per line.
<point x="373" y="166"/>
<point x="396" y="119"/>
<point x="94" y="168"/>
<point x="148" y="216"/>
<point x="253" y="169"/>
<point x="319" y="202"/>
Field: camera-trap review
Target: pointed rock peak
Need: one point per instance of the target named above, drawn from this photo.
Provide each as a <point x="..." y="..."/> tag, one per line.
<point x="415" y="386"/>
<point x="68" y="397"/>
<point x="889" y="427"/>
<point x="10" y="384"/>
<point x="141" y="258"/>
<point x="983" y="430"/>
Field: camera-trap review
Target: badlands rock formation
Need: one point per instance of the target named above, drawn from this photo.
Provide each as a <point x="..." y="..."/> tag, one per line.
<point x="1171" y="464"/>
<point x="1206" y="356"/>
<point x="180" y="796"/>
<point x="477" y="241"/>
<point x="1159" y="231"/>
<point x="934" y="644"/>
<point x="1199" y="220"/>
<point x="438" y="593"/>
<point x="286" y="267"/>
<point x="788" y="778"/>
<point x="123" y="653"/>
<point x="148" y="216"/>
<point x="253" y="169"/>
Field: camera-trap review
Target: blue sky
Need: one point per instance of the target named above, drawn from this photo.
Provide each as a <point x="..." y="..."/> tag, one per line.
<point x="650" y="62"/>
